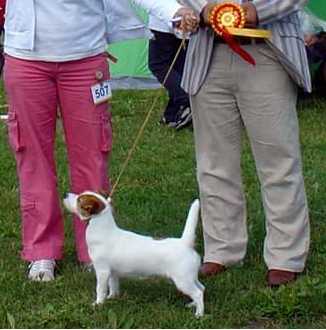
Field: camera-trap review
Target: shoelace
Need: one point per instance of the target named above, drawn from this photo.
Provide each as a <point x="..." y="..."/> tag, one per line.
<point x="42" y="266"/>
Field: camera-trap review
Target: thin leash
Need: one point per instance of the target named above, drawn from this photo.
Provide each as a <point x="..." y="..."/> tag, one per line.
<point x="142" y="128"/>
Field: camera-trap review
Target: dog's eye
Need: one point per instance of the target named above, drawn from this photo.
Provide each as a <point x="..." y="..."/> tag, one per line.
<point x="93" y="208"/>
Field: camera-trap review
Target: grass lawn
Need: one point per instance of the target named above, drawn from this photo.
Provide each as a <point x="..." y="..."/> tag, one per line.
<point x="153" y="198"/>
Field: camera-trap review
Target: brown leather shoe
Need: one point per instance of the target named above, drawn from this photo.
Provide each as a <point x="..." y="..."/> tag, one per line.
<point x="209" y="269"/>
<point x="277" y="277"/>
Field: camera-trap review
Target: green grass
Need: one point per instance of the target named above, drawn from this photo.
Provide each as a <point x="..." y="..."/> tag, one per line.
<point x="153" y="198"/>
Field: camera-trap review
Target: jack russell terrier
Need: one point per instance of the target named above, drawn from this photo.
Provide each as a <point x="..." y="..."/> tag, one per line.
<point x="117" y="253"/>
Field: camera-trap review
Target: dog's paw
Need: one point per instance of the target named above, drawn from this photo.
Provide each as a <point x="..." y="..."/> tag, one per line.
<point x="199" y="312"/>
<point x="97" y="303"/>
<point x="198" y="315"/>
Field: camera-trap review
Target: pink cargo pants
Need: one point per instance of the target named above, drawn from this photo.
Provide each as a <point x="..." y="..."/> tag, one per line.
<point x="36" y="90"/>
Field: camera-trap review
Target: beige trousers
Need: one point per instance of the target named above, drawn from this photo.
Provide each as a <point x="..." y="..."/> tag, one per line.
<point x="263" y="100"/>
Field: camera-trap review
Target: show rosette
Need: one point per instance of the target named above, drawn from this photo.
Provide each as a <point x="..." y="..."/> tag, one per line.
<point x="227" y="20"/>
<point x="227" y="15"/>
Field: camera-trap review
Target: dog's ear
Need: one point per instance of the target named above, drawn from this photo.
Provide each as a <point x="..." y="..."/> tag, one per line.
<point x="90" y="205"/>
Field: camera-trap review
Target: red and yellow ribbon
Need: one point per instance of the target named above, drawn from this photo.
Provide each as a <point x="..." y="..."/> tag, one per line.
<point x="228" y="19"/>
<point x="227" y="15"/>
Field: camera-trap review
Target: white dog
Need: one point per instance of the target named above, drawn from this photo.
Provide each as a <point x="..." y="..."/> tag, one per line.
<point x="119" y="253"/>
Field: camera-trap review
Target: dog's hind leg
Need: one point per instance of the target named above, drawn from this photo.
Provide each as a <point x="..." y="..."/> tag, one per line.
<point x="200" y="285"/>
<point x="102" y="278"/>
<point x="114" y="286"/>
<point x="191" y="289"/>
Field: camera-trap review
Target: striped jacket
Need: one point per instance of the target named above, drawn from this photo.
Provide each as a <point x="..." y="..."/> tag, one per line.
<point x="279" y="16"/>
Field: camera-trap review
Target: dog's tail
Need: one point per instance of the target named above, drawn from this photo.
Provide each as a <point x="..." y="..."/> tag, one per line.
<point x="189" y="232"/>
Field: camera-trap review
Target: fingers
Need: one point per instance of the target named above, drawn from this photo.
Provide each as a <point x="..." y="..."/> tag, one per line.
<point x="189" y="20"/>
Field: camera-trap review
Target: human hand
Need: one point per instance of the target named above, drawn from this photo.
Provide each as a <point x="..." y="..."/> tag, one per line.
<point x="310" y="39"/>
<point x="251" y="14"/>
<point x="189" y="20"/>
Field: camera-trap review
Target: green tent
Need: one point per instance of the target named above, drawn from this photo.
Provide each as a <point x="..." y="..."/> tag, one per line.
<point x="131" y="70"/>
<point x="131" y="62"/>
<point x="318" y="8"/>
<point x="314" y="17"/>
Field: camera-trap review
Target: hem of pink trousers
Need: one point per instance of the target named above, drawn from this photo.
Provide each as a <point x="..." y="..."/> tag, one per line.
<point x="83" y="257"/>
<point x="31" y="255"/>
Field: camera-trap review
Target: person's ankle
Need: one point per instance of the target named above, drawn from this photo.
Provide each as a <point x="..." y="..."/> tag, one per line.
<point x="86" y="266"/>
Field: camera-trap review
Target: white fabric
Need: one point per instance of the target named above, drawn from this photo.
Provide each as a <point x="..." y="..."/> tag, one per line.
<point x="123" y="23"/>
<point x="157" y="24"/>
<point x="64" y="30"/>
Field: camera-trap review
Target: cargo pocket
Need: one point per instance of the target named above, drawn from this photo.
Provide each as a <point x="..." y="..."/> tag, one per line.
<point x="106" y="140"/>
<point x="14" y="132"/>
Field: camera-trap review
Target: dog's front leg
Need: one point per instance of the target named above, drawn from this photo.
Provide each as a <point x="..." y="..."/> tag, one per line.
<point x="114" y="286"/>
<point x="102" y="278"/>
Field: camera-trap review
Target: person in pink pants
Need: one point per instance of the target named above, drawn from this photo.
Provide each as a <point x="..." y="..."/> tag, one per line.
<point x="56" y="62"/>
<point x="36" y="91"/>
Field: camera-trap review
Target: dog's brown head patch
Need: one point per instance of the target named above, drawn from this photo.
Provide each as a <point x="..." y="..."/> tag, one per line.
<point x="89" y="205"/>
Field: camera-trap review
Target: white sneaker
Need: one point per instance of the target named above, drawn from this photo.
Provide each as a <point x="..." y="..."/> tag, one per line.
<point x="42" y="270"/>
<point x="184" y="118"/>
